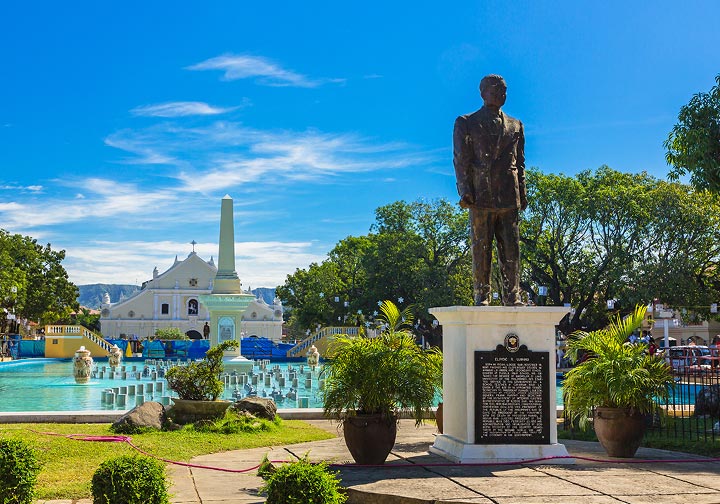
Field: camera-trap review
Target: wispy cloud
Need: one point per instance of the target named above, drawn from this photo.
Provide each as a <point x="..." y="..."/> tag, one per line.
<point x="132" y="212"/>
<point x="264" y="70"/>
<point x="101" y="199"/>
<point x="30" y="188"/>
<point x="225" y="155"/>
<point x="180" y="109"/>
<point x="145" y="147"/>
<point x="259" y="263"/>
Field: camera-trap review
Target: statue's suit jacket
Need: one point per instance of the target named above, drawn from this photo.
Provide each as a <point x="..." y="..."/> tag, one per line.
<point x="492" y="171"/>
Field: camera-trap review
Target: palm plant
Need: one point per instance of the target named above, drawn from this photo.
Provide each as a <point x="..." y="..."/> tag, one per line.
<point x="615" y="374"/>
<point x="386" y="375"/>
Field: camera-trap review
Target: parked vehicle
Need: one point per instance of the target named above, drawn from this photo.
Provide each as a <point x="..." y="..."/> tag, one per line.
<point x="692" y="358"/>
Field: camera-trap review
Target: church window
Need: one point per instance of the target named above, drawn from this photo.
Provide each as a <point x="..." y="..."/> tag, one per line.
<point x="165" y="308"/>
<point x="193" y="307"/>
<point x="193" y="282"/>
<point x="131" y="314"/>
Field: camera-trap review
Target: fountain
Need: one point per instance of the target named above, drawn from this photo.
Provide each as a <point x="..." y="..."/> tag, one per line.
<point x="114" y="357"/>
<point x="313" y="357"/>
<point x="82" y="365"/>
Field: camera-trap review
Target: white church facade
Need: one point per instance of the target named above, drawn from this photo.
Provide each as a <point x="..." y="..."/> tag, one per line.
<point x="172" y="299"/>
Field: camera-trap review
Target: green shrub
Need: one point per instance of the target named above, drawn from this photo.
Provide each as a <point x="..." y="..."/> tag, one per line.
<point x="302" y="483"/>
<point x="19" y="469"/>
<point x="235" y="423"/>
<point x="198" y="381"/>
<point x="130" y="479"/>
<point x="266" y="468"/>
<point x="170" y="333"/>
<point x="129" y="429"/>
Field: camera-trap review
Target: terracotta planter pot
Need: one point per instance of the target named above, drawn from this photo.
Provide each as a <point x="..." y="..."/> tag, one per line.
<point x="439" y="417"/>
<point x="370" y="438"/>
<point x="185" y="411"/>
<point x="619" y="430"/>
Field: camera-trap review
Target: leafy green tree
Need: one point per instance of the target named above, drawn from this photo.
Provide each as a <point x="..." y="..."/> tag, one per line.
<point x="84" y="318"/>
<point x="308" y="294"/>
<point x="627" y="237"/>
<point x="35" y="286"/>
<point x="693" y="145"/>
<point x="417" y="252"/>
<point x="681" y="266"/>
<point x="89" y="320"/>
<point x="582" y="236"/>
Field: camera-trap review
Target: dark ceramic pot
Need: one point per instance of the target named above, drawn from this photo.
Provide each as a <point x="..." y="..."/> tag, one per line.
<point x="619" y="430"/>
<point x="370" y="438"/>
<point x="439" y="417"/>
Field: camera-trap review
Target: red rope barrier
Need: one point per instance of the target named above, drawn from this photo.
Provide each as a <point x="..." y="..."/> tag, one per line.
<point x="128" y="440"/>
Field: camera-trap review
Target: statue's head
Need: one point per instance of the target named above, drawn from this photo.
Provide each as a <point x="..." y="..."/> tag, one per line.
<point x="493" y="90"/>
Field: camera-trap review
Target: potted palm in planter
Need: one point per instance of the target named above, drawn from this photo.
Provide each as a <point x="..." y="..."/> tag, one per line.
<point x="198" y="386"/>
<point x="617" y="380"/>
<point x="370" y="382"/>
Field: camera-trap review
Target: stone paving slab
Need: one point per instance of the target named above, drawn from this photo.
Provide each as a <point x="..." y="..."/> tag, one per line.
<point x="414" y="476"/>
<point x="670" y="499"/>
<point x="558" y="499"/>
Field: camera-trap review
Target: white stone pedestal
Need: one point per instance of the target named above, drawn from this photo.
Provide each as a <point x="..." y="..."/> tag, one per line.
<point x="467" y="329"/>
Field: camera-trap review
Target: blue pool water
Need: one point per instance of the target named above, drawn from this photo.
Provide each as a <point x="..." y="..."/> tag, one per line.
<point x="682" y="393"/>
<point x="48" y="385"/>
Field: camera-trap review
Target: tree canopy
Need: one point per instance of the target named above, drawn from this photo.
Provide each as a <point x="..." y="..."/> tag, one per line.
<point x="33" y="283"/>
<point x="600" y="235"/>
<point x="693" y="145"/>
<point x="630" y="238"/>
<point x="415" y="254"/>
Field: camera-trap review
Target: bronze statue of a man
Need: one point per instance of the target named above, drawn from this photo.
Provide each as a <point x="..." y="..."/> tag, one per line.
<point x="489" y="159"/>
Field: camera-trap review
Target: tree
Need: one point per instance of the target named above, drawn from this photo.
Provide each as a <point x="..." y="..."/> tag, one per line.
<point x="33" y="283"/>
<point x="417" y="252"/>
<point x="627" y="237"/>
<point x="681" y="267"/>
<point x="308" y="294"/>
<point x="422" y="255"/>
<point x="693" y="145"/>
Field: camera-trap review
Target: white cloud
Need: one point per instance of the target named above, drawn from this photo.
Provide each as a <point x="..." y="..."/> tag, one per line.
<point x="30" y="188"/>
<point x="259" y="264"/>
<point x="225" y="154"/>
<point x="103" y="198"/>
<point x="266" y="72"/>
<point x="147" y="151"/>
<point x="138" y="209"/>
<point x="179" y="109"/>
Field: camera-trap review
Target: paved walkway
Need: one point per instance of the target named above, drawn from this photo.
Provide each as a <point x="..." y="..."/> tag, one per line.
<point x="406" y="481"/>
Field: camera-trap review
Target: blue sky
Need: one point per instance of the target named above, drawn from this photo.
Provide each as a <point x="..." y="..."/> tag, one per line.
<point x="123" y="124"/>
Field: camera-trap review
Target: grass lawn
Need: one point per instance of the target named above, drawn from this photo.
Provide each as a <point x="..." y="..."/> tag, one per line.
<point x="668" y="437"/>
<point x="69" y="464"/>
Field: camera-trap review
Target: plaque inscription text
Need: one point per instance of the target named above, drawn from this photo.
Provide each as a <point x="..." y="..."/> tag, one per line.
<point x="512" y="397"/>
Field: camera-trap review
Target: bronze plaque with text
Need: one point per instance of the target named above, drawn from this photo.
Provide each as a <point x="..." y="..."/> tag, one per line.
<point x="512" y="397"/>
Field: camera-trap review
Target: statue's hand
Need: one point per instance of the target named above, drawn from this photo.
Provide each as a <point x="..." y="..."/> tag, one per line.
<point x="467" y="200"/>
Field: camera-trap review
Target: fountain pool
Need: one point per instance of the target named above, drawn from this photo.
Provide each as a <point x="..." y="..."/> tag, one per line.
<point x="37" y="385"/>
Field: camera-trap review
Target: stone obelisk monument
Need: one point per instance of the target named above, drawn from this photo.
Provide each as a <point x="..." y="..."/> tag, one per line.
<point x="227" y="303"/>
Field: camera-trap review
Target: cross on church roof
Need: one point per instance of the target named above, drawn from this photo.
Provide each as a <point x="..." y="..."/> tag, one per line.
<point x="193" y="243"/>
